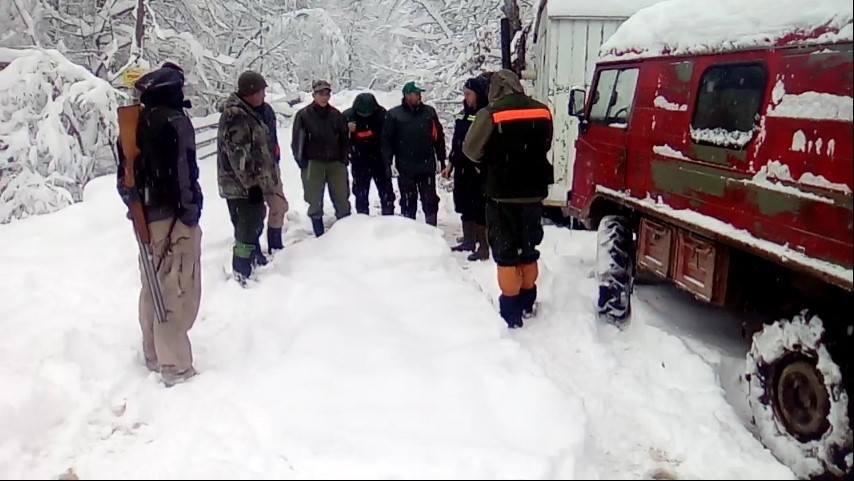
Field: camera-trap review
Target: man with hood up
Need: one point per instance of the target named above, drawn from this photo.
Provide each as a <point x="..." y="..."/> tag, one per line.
<point x="470" y="178"/>
<point x="365" y="122"/>
<point x="246" y="170"/>
<point x="167" y="185"/>
<point x="511" y="138"/>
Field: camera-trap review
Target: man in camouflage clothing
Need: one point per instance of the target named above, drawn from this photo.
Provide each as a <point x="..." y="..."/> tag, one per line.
<point x="246" y="169"/>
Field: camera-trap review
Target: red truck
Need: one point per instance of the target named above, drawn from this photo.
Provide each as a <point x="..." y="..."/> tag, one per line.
<point x="727" y="169"/>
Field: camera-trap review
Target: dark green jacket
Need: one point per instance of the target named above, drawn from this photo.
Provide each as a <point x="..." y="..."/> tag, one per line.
<point x="319" y="134"/>
<point x="414" y="139"/>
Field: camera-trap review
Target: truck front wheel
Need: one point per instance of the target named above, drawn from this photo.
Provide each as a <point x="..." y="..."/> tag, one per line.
<point x="798" y="399"/>
<point x="615" y="270"/>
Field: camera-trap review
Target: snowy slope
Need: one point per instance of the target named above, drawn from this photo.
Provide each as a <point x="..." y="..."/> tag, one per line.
<point x="371" y="352"/>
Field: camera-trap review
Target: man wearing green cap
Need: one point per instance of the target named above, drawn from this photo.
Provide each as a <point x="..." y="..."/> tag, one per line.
<point x="246" y="169"/>
<point x="413" y="138"/>
<point x="319" y="144"/>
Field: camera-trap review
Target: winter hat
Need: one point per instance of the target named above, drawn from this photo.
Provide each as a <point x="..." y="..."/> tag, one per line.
<point x="250" y="83"/>
<point x="320" y="86"/>
<point x="160" y="79"/>
<point x="412" y="88"/>
<point x="480" y="86"/>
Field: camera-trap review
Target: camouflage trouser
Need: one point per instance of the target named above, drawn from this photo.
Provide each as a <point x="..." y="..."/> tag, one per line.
<point x="278" y="206"/>
<point x="177" y="250"/>
<point x="316" y="177"/>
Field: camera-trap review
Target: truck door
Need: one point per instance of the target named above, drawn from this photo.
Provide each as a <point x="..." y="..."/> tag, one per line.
<point x="602" y="147"/>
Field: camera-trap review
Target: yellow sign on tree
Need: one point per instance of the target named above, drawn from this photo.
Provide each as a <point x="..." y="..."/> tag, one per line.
<point x="131" y="75"/>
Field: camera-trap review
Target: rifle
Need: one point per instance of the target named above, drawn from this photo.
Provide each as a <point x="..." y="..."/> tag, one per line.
<point x="128" y="124"/>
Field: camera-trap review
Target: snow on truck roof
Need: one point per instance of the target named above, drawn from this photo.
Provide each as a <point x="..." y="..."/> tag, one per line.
<point x="686" y="27"/>
<point x="595" y="9"/>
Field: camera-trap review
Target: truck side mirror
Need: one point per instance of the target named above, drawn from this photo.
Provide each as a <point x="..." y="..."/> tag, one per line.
<point x="577" y="99"/>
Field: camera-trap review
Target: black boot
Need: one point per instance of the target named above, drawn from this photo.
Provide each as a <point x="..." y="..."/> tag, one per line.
<point x="258" y="258"/>
<point x="432" y="219"/>
<point x="482" y="252"/>
<point x="511" y="310"/>
<point x="467" y="243"/>
<point x="274" y="239"/>
<point x="317" y="225"/>
<point x="528" y="298"/>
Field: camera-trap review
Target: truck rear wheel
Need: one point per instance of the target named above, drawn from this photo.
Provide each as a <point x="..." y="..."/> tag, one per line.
<point x="798" y="399"/>
<point x="615" y="270"/>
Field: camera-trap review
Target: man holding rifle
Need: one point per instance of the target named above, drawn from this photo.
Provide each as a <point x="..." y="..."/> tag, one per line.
<point x="158" y="181"/>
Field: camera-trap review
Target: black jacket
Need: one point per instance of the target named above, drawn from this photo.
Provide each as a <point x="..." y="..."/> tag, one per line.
<point x="366" y="141"/>
<point x="463" y="120"/>
<point x="167" y="177"/>
<point x="319" y="134"/>
<point x="414" y="139"/>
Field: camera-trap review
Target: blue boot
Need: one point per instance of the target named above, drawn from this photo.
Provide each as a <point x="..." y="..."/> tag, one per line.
<point x="242" y="268"/>
<point x="258" y="258"/>
<point x="528" y="298"/>
<point x="511" y="310"/>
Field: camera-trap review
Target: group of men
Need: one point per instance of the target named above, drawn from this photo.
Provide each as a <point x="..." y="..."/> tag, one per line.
<point x="498" y="160"/>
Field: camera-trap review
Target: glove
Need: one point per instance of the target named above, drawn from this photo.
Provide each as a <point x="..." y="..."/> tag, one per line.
<point x="256" y="196"/>
<point x="129" y="196"/>
<point x="190" y="216"/>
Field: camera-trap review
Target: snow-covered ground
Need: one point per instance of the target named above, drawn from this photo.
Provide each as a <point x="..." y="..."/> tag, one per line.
<point x="370" y="352"/>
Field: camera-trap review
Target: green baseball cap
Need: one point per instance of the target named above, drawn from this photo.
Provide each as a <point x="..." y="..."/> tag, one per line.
<point x="412" y="88"/>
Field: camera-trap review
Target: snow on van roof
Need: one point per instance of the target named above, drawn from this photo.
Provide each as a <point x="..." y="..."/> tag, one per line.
<point x="598" y="8"/>
<point x="683" y="27"/>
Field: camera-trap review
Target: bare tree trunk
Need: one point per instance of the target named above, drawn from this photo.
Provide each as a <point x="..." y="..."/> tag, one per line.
<point x="28" y="21"/>
<point x="139" y="31"/>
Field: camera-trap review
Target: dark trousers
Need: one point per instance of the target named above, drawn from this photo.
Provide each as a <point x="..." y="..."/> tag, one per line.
<point x="363" y="172"/>
<point x="414" y="186"/>
<point x="469" y="194"/>
<point x="515" y="231"/>
<point x="248" y="222"/>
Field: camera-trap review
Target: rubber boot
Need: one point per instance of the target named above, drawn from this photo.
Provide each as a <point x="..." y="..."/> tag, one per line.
<point x="432" y="219"/>
<point x="258" y="258"/>
<point x="511" y="310"/>
<point x="482" y="252"/>
<point x="317" y="225"/>
<point x="529" y="297"/>
<point x="274" y="240"/>
<point x="242" y="267"/>
<point x="467" y="243"/>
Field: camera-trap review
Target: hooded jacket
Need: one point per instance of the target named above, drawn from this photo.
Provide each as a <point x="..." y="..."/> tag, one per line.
<point x="511" y="137"/>
<point x="366" y="141"/>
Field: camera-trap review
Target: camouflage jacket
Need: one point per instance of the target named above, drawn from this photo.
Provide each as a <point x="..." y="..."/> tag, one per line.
<point x="244" y="159"/>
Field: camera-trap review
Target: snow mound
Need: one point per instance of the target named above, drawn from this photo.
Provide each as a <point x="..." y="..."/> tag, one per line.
<point x="57" y="125"/>
<point x="688" y="27"/>
<point x="362" y="354"/>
